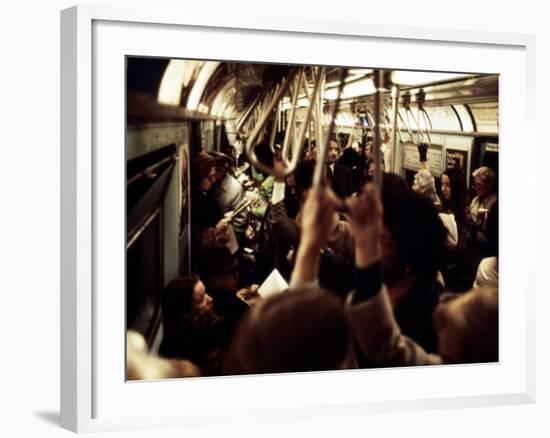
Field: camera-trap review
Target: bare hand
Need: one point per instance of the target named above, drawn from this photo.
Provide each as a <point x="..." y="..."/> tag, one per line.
<point x="366" y="221"/>
<point x="223" y="224"/>
<point x="317" y="217"/>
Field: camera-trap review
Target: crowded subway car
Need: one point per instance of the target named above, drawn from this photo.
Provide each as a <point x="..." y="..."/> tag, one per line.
<point x="294" y="218"/>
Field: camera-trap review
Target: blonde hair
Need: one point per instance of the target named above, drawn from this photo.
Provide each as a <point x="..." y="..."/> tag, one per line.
<point x="473" y="320"/>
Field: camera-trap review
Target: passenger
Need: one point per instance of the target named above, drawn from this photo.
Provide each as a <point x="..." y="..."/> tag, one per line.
<point x="453" y="194"/>
<point x="340" y="177"/>
<point x="140" y="365"/>
<point x="424" y="182"/>
<point x="369" y="169"/>
<point x="352" y="160"/>
<point x="382" y="340"/>
<point x="485" y="199"/>
<point x="220" y="272"/>
<point x="467" y="327"/>
<point x="205" y="212"/>
<point x="230" y="195"/>
<point x="301" y="330"/>
<point x="340" y="240"/>
<point x="192" y="330"/>
<point x="453" y="201"/>
<point x="413" y="249"/>
<point x="487" y="271"/>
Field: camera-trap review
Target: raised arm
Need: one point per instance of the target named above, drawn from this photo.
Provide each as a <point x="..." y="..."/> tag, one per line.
<point x="316" y="225"/>
<point x="370" y="311"/>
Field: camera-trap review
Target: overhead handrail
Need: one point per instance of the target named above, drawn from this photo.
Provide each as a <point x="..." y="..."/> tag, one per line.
<point x="296" y="155"/>
<point x="295" y="91"/>
<point x="423" y="117"/>
<point x="409" y="115"/>
<point x="244" y="118"/>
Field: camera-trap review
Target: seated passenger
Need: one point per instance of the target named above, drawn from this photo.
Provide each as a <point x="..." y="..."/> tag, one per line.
<point x="220" y="272"/>
<point x="229" y="195"/>
<point x="191" y="328"/>
<point x="205" y="212"/>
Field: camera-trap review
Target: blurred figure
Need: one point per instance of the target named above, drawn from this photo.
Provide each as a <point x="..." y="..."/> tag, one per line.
<point x="302" y="329"/>
<point x="369" y="169"/>
<point x="140" y="365"/>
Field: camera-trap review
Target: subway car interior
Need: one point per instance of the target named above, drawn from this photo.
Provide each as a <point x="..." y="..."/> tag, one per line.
<point x="274" y="212"/>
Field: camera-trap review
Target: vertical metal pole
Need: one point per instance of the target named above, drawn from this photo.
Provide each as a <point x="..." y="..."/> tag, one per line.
<point x="395" y="108"/>
<point x="322" y="153"/>
<point x="377" y="169"/>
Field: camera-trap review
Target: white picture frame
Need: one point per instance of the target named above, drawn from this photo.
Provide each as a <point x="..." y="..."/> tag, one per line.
<point x="93" y="395"/>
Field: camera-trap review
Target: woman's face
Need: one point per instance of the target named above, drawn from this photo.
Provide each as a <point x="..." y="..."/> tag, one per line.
<point x="202" y="302"/>
<point x="206" y="183"/>
<point x="481" y="187"/>
<point x="446" y="187"/>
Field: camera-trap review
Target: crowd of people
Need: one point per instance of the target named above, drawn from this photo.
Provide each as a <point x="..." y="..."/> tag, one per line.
<point x="390" y="276"/>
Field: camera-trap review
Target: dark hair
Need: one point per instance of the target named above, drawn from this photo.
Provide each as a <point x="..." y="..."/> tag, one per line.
<point x="417" y="230"/>
<point x="201" y="164"/>
<point x="177" y="299"/>
<point x="264" y="154"/>
<point x="350" y="158"/>
<point x="298" y="330"/>
<point x="221" y="160"/>
<point x="304" y="176"/>
<point x="459" y="192"/>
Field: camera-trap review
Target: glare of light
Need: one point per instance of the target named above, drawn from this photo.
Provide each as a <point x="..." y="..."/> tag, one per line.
<point x="420" y="78"/>
<point x="362" y="87"/>
<point x="177" y="75"/>
<point x="200" y="84"/>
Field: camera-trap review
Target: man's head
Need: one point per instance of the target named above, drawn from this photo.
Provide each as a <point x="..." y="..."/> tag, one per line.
<point x="299" y="330"/>
<point x="333" y="150"/>
<point x="203" y="172"/>
<point x="413" y="239"/>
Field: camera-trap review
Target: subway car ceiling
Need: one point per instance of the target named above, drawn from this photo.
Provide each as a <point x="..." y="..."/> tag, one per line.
<point x="161" y="89"/>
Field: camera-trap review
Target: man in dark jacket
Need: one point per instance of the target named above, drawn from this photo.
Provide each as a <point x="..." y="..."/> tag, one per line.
<point x="340" y="176"/>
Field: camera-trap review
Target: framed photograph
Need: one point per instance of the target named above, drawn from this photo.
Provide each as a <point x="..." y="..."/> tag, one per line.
<point x="159" y="109"/>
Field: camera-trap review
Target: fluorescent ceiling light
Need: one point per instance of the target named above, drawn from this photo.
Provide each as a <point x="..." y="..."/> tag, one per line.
<point x="362" y="87"/>
<point x="421" y="78"/>
<point x="177" y="75"/>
